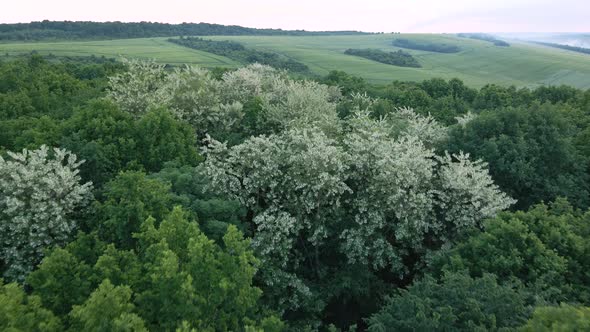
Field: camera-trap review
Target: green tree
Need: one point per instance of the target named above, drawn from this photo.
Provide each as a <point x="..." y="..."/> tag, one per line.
<point x="456" y="303"/>
<point x="111" y="140"/>
<point x="530" y="152"/>
<point x="108" y="308"/>
<point x="189" y="276"/>
<point x="190" y="188"/>
<point x="545" y="248"/>
<point x="562" y="318"/>
<point x="174" y="276"/>
<point x="23" y="313"/>
<point x="378" y="199"/>
<point x="129" y="199"/>
<point x="161" y="138"/>
<point x="62" y="280"/>
<point x="104" y="136"/>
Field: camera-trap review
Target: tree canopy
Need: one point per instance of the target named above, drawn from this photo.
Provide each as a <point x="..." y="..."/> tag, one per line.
<point x="142" y="197"/>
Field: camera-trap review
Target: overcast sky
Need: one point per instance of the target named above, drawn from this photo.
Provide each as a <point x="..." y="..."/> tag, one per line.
<point x="366" y="15"/>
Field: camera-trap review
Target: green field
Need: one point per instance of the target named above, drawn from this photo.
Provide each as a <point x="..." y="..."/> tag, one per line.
<point x="478" y="63"/>
<point x="146" y="48"/>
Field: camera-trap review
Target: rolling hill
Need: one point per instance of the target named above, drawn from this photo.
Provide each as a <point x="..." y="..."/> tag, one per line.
<point x="478" y="62"/>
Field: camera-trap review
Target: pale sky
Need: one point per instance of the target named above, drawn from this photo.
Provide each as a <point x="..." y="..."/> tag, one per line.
<point x="367" y="15"/>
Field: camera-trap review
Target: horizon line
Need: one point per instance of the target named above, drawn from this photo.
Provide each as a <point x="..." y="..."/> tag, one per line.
<point x="283" y="29"/>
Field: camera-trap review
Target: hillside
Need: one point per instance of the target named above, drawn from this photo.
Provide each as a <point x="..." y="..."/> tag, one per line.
<point x="478" y="62"/>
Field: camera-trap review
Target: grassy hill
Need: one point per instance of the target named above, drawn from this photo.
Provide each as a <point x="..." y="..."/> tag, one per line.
<point x="478" y="62"/>
<point x="145" y="48"/>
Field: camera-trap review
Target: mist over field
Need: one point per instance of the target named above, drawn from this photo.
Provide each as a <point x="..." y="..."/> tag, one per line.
<point x="563" y="38"/>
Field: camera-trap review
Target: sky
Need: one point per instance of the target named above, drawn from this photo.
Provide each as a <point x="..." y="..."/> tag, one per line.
<point x="366" y="15"/>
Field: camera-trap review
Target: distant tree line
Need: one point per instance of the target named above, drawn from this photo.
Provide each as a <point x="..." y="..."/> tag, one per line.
<point x="238" y="52"/>
<point x="484" y="37"/>
<point x="565" y="47"/>
<point x="68" y="30"/>
<point x="397" y="58"/>
<point x="426" y="46"/>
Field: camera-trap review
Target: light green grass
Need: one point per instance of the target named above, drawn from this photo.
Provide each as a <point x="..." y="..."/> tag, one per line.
<point x="145" y="48"/>
<point x="477" y="64"/>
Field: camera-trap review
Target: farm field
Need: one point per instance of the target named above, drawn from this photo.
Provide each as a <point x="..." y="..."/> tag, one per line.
<point x="478" y="63"/>
<point x="145" y="48"/>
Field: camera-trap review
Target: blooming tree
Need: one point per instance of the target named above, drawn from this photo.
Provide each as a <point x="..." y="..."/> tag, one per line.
<point x="39" y="192"/>
<point x="379" y="194"/>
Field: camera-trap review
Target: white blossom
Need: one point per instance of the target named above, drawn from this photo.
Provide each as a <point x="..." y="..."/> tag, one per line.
<point x="464" y="119"/>
<point x="301" y="104"/>
<point x="139" y="88"/>
<point x="382" y="193"/>
<point x="426" y="128"/>
<point x="39" y="192"/>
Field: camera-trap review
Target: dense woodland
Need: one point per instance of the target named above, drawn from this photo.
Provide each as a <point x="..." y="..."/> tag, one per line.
<point x="484" y="37"/>
<point x="72" y="30"/>
<point x="241" y="54"/>
<point x="398" y="58"/>
<point x="135" y="197"/>
<point x="425" y="46"/>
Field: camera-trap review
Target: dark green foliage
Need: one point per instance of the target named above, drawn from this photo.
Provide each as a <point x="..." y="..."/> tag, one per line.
<point x="238" y="52"/>
<point x="129" y="199"/>
<point x="426" y="46"/>
<point x="71" y="30"/>
<point x="545" y="248"/>
<point x="34" y="87"/>
<point x="214" y="213"/>
<point x="484" y="37"/>
<point x="445" y="100"/>
<point x="530" y="152"/>
<point x="219" y="47"/>
<point x="37" y="95"/>
<point x="103" y="136"/>
<point x="29" y="133"/>
<point x="161" y="138"/>
<point x="347" y="83"/>
<point x="62" y="280"/>
<point x="557" y="94"/>
<point x="110" y="140"/>
<point x="456" y="303"/>
<point x="397" y="58"/>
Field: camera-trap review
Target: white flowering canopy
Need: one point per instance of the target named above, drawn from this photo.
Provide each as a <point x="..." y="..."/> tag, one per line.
<point x="375" y="189"/>
<point x="39" y="192"/>
<point x="214" y="106"/>
<point x="384" y="192"/>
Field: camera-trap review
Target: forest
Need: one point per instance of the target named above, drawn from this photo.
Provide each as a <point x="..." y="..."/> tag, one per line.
<point x="484" y="37"/>
<point x="243" y="55"/>
<point x="74" y="30"/>
<point x="141" y="197"/>
<point x="397" y="58"/>
<point x="425" y="46"/>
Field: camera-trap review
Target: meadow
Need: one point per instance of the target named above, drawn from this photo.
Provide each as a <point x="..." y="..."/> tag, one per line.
<point x="478" y="63"/>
